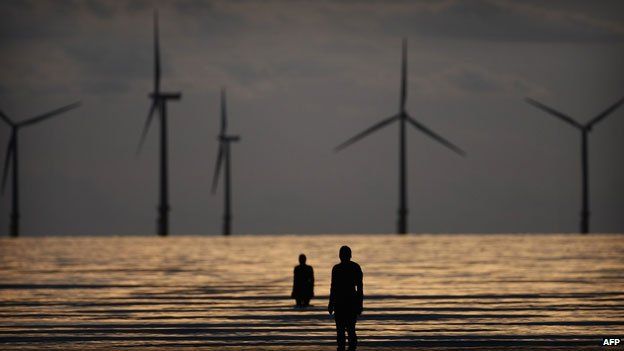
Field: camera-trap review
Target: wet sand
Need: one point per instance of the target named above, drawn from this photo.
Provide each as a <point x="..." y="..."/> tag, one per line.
<point x="425" y="292"/>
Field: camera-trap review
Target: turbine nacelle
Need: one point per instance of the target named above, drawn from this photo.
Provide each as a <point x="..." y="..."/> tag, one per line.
<point x="166" y="96"/>
<point x="571" y="121"/>
<point x="7" y="120"/>
<point x="228" y="138"/>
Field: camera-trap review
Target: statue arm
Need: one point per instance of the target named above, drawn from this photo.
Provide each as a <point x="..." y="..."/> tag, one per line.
<point x="332" y="295"/>
<point x="292" y="294"/>
<point x="360" y="290"/>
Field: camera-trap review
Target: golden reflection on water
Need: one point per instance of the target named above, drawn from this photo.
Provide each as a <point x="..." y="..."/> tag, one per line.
<point x="433" y="290"/>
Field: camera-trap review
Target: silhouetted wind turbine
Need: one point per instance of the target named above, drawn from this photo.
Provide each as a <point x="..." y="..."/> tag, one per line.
<point x="402" y="117"/>
<point x="11" y="159"/>
<point x="223" y="156"/>
<point x="584" y="129"/>
<point x="159" y="103"/>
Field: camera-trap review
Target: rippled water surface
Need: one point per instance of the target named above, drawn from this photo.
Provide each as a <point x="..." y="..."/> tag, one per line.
<point x="421" y="292"/>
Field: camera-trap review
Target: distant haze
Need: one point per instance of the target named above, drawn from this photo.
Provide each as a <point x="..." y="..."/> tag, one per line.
<point x="302" y="77"/>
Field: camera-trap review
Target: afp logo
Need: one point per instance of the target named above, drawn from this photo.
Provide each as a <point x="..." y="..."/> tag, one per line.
<point x="610" y="342"/>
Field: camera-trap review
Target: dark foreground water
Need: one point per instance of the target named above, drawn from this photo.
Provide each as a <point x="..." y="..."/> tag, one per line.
<point x="421" y="292"/>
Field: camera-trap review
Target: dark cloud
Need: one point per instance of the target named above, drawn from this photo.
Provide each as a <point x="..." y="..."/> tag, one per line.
<point x="106" y="66"/>
<point x="195" y="7"/>
<point x="506" y="21"/>
<point x="475" y="80"/>
<point x="101" y="9"/>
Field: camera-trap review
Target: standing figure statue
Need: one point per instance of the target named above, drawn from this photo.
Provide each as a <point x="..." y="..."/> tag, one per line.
<point x="346" y="298"/>
<point x="303" y="283"/>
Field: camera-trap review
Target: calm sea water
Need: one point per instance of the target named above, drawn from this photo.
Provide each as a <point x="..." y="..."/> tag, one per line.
<point x="215" y="293"/>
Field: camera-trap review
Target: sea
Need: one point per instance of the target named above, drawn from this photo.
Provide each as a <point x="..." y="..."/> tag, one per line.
<point x="422" y="292"/>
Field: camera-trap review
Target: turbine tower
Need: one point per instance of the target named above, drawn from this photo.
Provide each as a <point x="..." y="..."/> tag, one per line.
<point x="159" y="104"/>
<point x="584" y="129"/>
<point x="11" y="160"/>
<point x="223" y="156"/>
<point x="403" y="118"/>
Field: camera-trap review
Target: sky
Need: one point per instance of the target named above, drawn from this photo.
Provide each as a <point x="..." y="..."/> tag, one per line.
<point x="302" y="77"/>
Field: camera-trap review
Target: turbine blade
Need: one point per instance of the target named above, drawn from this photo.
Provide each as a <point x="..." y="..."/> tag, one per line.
<point x="49" y="114"/>
<point x="605" y="113"/>
<point x="404" y="75"/>
<point x="148" y="122"/>
<point x="554" y="112"/>
<point x="366" y="132"/>
<point x="156" y="54"/>
<point x="215" y="177"/>
<point x="7" y="160"/>
<point x="6" y="118"/>
<point x="435" y="136"/>
<point x="223" y="112"/>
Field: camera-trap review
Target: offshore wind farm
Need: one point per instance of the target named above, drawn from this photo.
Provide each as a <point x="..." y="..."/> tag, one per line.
<point x="489" y="254"/>
<point x="11" y="160"/>
<point x="403" y="119"/>
<point x="477" y="106"/>
<point x="584" y="129"/>
<point x="159" y="106"/>
<point x="223" y="162"/>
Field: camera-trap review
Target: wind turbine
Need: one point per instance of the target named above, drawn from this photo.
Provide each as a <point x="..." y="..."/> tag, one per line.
<point x="584" y="129"/>
<point x="403" y="118"/>
<point x="11" y="159"/>
<point x="223" y="156"/>
<point x="159" y="103"/>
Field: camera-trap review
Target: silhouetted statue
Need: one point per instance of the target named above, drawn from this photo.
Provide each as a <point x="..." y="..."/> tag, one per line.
<point x="346" y="298"/>
<point x="303" y="283"/>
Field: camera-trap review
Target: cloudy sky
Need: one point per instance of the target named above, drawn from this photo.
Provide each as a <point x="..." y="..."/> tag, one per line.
<point x="303" y="76"/>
